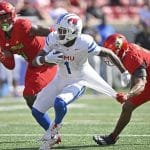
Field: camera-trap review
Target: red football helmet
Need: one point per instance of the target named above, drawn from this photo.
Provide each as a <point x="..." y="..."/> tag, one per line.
<point x="7" y="15"/>
<point x="117" y="43"/>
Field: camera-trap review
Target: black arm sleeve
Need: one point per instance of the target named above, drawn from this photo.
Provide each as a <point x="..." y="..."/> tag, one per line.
<point x="140" y="72"/>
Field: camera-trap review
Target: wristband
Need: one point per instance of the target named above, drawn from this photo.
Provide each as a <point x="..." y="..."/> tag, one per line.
<point x="38" y="60"/>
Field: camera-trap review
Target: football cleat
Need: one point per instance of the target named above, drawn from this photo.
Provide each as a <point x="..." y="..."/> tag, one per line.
<point x="52" y="131"/>
<point x="51" y="137"/>
<point x="105" y="140"/>
<point x="47" y="144"/>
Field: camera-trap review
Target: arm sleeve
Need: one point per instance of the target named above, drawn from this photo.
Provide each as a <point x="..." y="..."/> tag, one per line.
<point x="140" y="72"/>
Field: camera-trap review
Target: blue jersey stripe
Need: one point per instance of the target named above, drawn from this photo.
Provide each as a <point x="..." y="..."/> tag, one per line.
<point x="47" y="40"/>
<point x="91" y="45"/>
<point x="92" y="49"/>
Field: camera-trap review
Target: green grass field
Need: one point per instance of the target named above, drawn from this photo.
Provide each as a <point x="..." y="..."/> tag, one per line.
<point x="86" y="117"/>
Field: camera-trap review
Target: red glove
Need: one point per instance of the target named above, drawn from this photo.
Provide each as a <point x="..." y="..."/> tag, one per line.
<point x="121" y="97"/>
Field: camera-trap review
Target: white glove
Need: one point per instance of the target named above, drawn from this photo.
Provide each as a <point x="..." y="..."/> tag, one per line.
<point x="54" y="57"/>
<point x="125" y="78"/>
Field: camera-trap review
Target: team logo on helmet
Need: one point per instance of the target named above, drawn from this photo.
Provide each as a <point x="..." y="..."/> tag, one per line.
<point x="73" y="21"/>
<point x="118" y="42"/>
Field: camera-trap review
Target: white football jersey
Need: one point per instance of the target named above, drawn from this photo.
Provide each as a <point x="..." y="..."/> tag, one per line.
<point x="75" y="66"/>
<point x="74" y="73"/>
<point x="75" y="56"/>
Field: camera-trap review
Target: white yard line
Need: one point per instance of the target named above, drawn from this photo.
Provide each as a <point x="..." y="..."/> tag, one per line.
<point x="22" y="106"/>
<point x="10" y="108"/>
<point x="73" y="135"/>
<point x="86" y="122"/>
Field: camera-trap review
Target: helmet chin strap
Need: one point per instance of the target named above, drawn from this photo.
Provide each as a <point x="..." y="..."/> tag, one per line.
<point x="6" y="27"/>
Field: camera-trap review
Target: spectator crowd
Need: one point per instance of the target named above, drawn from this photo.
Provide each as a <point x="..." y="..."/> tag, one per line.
<point x="101" y="18"/>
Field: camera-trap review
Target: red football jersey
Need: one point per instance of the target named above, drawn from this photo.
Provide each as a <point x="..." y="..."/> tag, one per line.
<point x="135" y="57"/>
<point x="21" y="42"/>
<point x="27" y="46"/>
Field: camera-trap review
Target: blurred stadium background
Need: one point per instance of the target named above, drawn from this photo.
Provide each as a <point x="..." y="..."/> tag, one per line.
<point x="93" y="113"/>
<point x="100" y="19"/>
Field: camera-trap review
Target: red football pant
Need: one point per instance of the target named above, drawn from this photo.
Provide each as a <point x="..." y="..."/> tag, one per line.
<point x="37" y="78"/>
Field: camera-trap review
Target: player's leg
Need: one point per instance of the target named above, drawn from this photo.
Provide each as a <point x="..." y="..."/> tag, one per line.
<point x="29" y="99"/>
<point x="35" y="80"/>
<point x="124" y="119"/>
<point x="126" y="114"/>
<point x="45" y="100"/>
<point x="127" y="110"/>
<point x="68" y="95"/>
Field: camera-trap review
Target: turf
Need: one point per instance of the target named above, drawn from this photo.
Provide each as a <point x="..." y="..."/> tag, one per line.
<point x="86" y="117"/>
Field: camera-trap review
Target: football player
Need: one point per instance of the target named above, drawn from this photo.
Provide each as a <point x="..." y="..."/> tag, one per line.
<point x="19" y="36"/>
<point x="137" y="61"/>
<point x="70" y="49"/>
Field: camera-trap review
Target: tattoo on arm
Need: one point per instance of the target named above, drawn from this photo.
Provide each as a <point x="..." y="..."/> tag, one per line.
<point x="115" y="60"/>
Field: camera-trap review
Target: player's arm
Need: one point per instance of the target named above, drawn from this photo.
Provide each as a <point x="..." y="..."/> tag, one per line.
<point x="51" y="58"/>
<point x="138" y="82"/>
<point x="7" y="59"/>
<point x="115" y="60"/>
<point x="48" y="55"/>
<point x="37" y="30"/>
<point x="39" y="59"/>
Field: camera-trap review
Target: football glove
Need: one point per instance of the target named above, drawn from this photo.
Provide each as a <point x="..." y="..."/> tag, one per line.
<point x="121" y="97"/>
<point x="125" y="78"/>
<point x="54" y="57"/>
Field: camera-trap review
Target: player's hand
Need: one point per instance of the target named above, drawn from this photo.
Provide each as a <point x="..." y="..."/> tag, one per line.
<point x="121" y="97"/>
<point x="54" y="57"/>
<point x="125" y="78"/>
